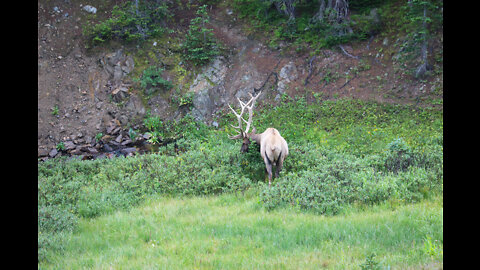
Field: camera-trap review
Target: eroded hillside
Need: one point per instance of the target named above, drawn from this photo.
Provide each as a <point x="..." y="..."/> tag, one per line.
<point x="88" y="98"/>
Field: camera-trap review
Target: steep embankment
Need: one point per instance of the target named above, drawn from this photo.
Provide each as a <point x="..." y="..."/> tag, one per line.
<point x="87" y="98"/>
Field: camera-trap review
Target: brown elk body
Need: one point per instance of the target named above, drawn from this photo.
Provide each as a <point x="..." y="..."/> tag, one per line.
<point x="273" y="147"/>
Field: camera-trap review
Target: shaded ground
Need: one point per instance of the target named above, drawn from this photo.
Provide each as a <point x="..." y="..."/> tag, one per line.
<point x="75" y="101"/>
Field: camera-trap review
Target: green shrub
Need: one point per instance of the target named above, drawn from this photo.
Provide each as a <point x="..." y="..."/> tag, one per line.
<point x="53" y="223"/>
<point x="54" y="219"/>
<point x="399" y="156"/>
<point x="152" y="80"/>
<point x="200" y="45"/>
<point x="325" y="181"/>
<point x="129" y="24"/>
<point x="370" y="263"/>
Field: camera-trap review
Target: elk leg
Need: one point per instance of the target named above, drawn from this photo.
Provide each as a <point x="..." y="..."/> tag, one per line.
<point x="279" y="165"/>
<point x="268" y="167"/>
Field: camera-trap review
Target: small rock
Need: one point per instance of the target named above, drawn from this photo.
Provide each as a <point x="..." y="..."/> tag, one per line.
<point x="120" y="93"/>
<point x="76" y="151"/>
<point x="119" y="138"/>
<point x="69" y="145"/>
<point x="385" y="42"/>
<point x="106" y="138"/>
<point x="289" y="72"/>
<point x="92" y="150"/>
<point x="90" y="9"/>
<point x="116" y="130"/>
<point x="126" y="142"/>
<point x="42" y="152"/>
<point x="107" y="148"/>
<point x="53" y="153"/>
<point x="128" y="150"/>
<point x="123" y="119"/>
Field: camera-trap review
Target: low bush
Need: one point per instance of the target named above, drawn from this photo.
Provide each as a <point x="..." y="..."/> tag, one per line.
<point x="129" y="22"/>
<point x="325" y="181"/>
<point x="152" y="80"/>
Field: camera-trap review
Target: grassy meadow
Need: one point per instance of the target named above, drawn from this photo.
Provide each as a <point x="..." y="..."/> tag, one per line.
<point x="234" y="232"/>
<point x="362" y="188"/>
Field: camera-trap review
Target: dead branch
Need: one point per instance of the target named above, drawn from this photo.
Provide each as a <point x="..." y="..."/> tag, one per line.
<point x="347" y="82"/>
<point x="347" y="54"/>
<point x="310" y="70"/>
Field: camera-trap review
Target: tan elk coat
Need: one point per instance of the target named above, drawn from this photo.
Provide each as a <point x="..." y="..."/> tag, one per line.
<point x="273" y="149"/>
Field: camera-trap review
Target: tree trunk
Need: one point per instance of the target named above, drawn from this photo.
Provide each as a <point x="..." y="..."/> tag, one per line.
<point x="334" y="11"/>
<point x="422" y="69"/>
<point x="286" y="7"/>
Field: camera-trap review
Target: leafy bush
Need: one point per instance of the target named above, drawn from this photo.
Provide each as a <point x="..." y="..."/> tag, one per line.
<point x="53" y="219"/>
<point x="152" y="80"/>
<point x="53" y="223"/>
<point x="200" y="45"/>
<point x="325" y="181"/>
<point x="370" y="263"/>
<point x="129" y="23"/>
<point x="186" y="128"/>
<point x="399" y="156"/>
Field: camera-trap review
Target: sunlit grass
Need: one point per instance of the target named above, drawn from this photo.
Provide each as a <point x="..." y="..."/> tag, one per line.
<point x="233" y="232"/>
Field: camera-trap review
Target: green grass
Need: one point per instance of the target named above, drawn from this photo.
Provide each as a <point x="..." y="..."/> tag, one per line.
<point x="363" y="184"/>
<point x="234" y="232"/>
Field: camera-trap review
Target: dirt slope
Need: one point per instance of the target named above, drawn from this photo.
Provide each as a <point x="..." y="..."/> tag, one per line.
<point x="75" y="88"/>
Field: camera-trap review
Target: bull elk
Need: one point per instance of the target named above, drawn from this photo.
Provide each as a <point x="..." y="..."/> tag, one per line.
<point x="273" y="147"/>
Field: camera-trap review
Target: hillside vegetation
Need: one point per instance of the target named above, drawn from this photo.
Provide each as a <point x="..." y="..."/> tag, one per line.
<point x="362" y="187"/>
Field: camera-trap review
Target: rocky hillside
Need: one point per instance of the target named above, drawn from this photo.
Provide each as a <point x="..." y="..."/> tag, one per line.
<point x="89" y="99"/>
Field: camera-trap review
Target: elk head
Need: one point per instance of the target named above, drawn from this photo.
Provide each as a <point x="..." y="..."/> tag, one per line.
<point x="273" y="147"/>
<point x="243" y="133"/>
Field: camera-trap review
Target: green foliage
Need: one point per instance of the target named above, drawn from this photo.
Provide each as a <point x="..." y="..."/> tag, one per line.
<point x="186" y="128"/>
<point x="432" y="248"/>
<point x="200" y="45"/>
<point x="129" y="24"/>
<point x="305" y="29"/>
<point x="370" y="263"/>
<point x="329" y="181"/>
<point x="231" y="231"/>
<point x="342" y="153"/>
<point x="55" y="110"/>
<point x="60" y="146"/>
<point x="364" y="5"/>
<point x="183" y="99"/>
<point x="152" y="80"/>
<point x="52" y="219"/>
<point x="422" y="22"/>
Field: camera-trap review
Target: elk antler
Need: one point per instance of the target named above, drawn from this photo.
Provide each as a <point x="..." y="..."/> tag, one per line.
<point x="249" y="106"/>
